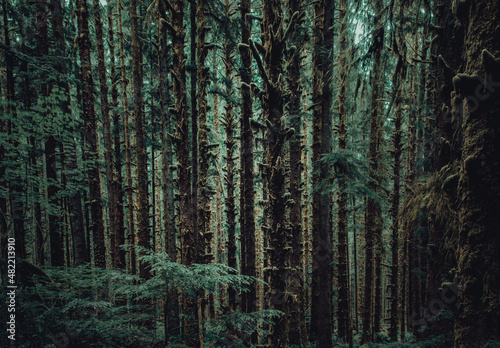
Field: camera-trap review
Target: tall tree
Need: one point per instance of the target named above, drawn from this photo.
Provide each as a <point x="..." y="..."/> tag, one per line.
<point x="142" y="175"/>
<point x="229" y="122"/>
<point x="247" y="189"/>
<point x="296" y="280"/>
<point x="373" y="214"/>
<point x="118" y="254"/>
<point x="321" y="286"/>
<point x="106" y="122"/>
<point x="90" y="134"/>
<point x="343" y="247"/>
<point x="271" y="70"/>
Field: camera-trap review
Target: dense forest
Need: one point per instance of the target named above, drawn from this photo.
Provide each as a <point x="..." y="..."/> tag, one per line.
<point x="250" y="173"/>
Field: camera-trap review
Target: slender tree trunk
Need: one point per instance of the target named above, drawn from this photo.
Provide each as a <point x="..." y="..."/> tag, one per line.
<point x="128" y="157"/>
<point x="230" y="143"/>
<point x="343" y="246"/>
<point x="373" y="223"/>
<point x="203" y="206"/>
<point x="168" y="222"/>
<point x="194" y="66"/>
<point x="106" y="122"/>
<point x="321" y="286"/>
<point x="142" y="175"/>
<point x="247" y="190"/>
<point x="90" y="135"/>
<point x="118" y="259"/>
<point x="399" y="76"/>
<point x="186" y="214"/>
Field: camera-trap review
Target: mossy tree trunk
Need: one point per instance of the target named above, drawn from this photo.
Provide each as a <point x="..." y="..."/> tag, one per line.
<point x="296" y="280"/>
<point x="118" y="259"/>
<point x="271" y="71"/>
<point x="128" y="156"/>
<point x="322" y="247"/>
<point x="142" y="175"/>
<point x="247" y="190"/>
<point x="343" y="248"/>
<point x="478" y="252"/>
<point x="229" y="123"/>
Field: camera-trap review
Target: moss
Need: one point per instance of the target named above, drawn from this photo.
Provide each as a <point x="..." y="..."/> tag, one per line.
<point x="450" y="184"/>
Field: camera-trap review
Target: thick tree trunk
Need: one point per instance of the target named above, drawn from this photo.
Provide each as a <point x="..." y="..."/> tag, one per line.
<point x="271" y="70"/>
<point x="478" y="253"/>
<point x="296" y="280"/>
<point x="322" y="248"/>
<point x="90" y="134"/>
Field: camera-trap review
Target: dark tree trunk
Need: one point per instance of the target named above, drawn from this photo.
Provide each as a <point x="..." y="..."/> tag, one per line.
<point x="271" y="70"/>
<point x="90" y="134"/>
<point x="247" y="190"/>
<point x="478" y="253"/>
<point x="106" y="122"/>
<point x="296" y="280"/>
<point x="321" y="287"/>
<point x="343" y="247"/>
<point x="229" y="122"/>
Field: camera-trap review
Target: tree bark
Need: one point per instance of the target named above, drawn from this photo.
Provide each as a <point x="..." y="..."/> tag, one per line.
<point x="90" y="135"/>
<point x="478" y="252"/>
<point x="343" y="247"/>
<point x="322" y="247"/>
<point x="247" y="190"/>
<point x="142" y="175"/>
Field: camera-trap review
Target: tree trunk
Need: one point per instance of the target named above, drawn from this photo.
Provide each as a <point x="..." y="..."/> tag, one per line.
<point x="142" y="175"/>
<point x="128" y="157"/>
<point x="343" y="246"/>
<point x="247" y="190"/>
<point x="296" y="280"/>
<point x="106" y="122"/>
<point x="186" y="213"/>
<point x="229" y="123"/>
<point x="321" y="286"/>
<point x="90" y="135"/>
<point x="118" y="259"/>
<point x="373" y="218"/>
<point x="478" y="252"/>
<point x="398" y="79"/>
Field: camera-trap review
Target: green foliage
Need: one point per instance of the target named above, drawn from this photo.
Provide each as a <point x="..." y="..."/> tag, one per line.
<point x="84" y="306"/>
